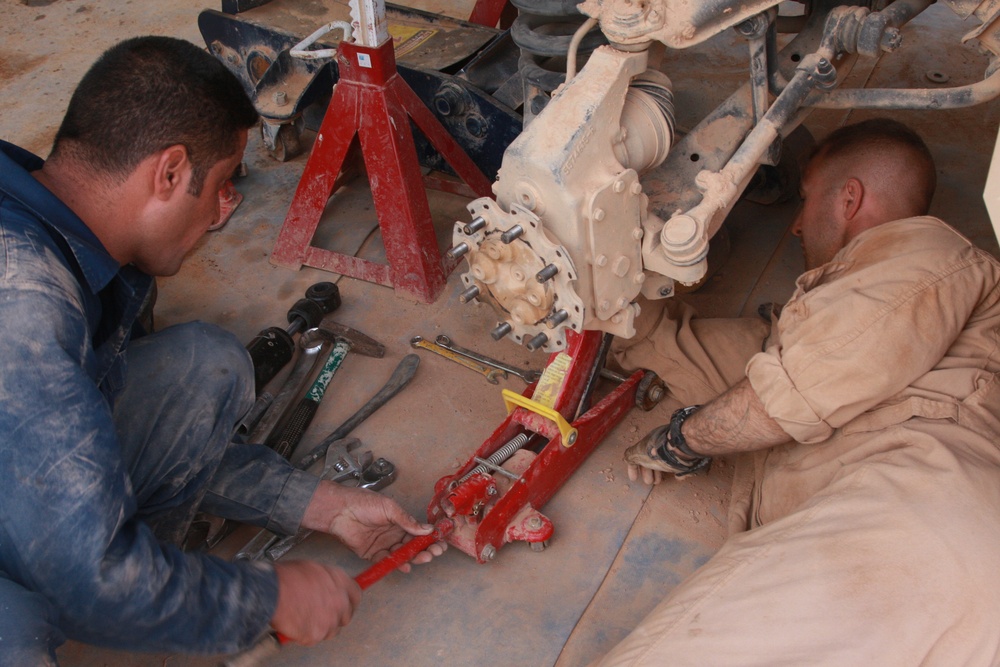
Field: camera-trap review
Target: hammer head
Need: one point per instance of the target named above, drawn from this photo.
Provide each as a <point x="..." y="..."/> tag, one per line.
<point x="359" y="342"/>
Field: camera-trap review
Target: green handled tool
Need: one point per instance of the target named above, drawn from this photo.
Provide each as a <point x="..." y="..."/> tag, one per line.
<point x="289" y="432"/>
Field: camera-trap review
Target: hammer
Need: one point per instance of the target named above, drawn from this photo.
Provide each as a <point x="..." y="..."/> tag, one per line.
<point x="290" y="430"/>
<point x="273" y="347"/>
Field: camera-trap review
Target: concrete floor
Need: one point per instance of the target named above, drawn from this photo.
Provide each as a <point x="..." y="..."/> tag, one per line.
<point x="618" y="547"/>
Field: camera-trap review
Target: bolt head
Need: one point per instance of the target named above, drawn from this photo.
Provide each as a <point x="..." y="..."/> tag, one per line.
<point x="488" y="553"/>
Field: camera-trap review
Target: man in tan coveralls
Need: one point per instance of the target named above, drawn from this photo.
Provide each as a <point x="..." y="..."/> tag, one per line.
<point x="865" y="521"/>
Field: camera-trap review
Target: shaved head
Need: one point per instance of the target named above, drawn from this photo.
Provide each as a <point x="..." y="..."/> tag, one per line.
<point x="859" y="177"/>
<point x="888" y="158"/>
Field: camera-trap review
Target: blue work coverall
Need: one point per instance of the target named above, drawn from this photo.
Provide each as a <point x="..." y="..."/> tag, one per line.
<point x="108" y="447"/>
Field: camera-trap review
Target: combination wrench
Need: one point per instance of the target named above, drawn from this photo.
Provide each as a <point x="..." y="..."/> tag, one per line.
<point x="529" y="376"/>
<point x="492" y="375"/>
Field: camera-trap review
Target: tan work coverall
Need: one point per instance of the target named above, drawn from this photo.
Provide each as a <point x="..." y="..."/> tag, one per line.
<point x="873" y="537"/>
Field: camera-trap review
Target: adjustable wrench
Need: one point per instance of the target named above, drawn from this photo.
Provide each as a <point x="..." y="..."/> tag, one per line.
<point x="373" y="475"/>
<point x="491" y="374"/>
<point x="340" y="466"/>
<point x="529" y="376"/>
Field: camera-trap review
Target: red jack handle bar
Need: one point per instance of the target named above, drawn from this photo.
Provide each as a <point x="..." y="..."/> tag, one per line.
<point x="404" y="554"/>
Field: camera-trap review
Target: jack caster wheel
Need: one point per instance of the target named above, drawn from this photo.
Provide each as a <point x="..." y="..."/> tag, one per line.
<point x="538" y="546"/>
<point x="283" y="143"/>
<point x="650" y="391"/>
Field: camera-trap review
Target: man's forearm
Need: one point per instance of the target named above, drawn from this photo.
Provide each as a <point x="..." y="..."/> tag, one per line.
<point x="733" y="422"/>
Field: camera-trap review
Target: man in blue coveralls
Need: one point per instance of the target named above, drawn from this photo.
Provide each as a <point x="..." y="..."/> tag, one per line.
<point x="110" y="444"/>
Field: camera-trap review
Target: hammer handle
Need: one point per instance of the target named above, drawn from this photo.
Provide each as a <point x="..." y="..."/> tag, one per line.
<point x="284" y="444"/>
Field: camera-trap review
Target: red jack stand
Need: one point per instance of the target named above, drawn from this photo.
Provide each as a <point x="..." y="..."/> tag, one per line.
<point x="494" y="498"/>
<point x="371" y="102"/>
<point x="491" y="12"/>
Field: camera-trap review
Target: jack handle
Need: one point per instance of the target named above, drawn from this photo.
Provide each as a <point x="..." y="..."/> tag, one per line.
<point x="404" y="554"/>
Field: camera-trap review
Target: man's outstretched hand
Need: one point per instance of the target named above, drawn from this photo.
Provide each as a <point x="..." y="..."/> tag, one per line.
<point x="370" y="524"/>
<point x="656" y="454"/>
<point x="642" y="459"/>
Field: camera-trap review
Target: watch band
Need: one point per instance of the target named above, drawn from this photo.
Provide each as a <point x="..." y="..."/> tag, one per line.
<point x="675" y="450"/>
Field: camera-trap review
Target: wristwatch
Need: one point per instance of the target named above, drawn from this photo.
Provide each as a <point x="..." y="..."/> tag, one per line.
<point x="675" y="450"/>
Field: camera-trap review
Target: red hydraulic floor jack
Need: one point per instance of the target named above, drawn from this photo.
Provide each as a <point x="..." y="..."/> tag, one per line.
<point x="495" y="497"/>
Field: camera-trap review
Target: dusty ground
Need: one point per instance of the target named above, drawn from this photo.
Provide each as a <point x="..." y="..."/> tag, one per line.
<point x="618" y="548"/>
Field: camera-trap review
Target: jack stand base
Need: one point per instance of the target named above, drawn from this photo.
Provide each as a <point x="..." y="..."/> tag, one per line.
<point x="372" y="104"/>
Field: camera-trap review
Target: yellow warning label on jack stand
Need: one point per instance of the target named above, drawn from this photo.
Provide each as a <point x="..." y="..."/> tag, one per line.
<point x="551" y="382"/>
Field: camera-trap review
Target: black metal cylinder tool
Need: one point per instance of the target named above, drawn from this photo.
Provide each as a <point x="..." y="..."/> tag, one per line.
<point x="273" y="347"/>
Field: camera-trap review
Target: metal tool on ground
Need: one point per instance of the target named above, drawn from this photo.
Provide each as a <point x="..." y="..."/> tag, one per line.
<point x="283" y="425"/>
<point x="314" y="348"/>
<point x="206" y="530"/>
<point x="401" y="377"/>
<point x="492" y="375"/>
<point x="342" y="467"/>
<point x="287" y="435"/>
<point x="273" y="347"/>
<point x="529" y="376"/>
<point x="371" y="474"/>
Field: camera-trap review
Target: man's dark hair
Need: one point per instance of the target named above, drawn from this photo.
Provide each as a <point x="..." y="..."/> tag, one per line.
<point x="146" y="94"/>
<point x="869" y="138"/>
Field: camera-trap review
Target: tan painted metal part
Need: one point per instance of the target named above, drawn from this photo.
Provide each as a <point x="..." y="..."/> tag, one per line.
<point x="677" y="23"/>
<point x="571" y="180"/>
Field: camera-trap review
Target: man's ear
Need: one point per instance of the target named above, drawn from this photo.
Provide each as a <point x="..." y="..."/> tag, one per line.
<point x="171" y="172"/>
<point x="852" y="195"/>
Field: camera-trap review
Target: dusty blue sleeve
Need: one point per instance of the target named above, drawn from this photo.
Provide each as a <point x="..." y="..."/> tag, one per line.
<point x="255" y="485"/>
<point x="67" y="521"/>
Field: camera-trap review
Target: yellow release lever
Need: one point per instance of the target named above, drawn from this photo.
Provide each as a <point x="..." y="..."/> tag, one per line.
<point x="512" y="399"/>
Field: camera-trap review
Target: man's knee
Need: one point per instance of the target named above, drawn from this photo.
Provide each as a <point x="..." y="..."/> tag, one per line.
<point x="27" y="633"/>
<point x="201" y="357"/>
<point x="186" y="388"/>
